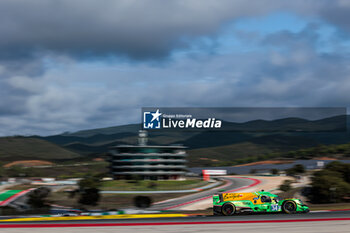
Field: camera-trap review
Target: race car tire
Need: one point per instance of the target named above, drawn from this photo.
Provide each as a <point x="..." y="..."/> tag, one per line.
<point x="228" y="209"/>
<point x="289" y="207"/>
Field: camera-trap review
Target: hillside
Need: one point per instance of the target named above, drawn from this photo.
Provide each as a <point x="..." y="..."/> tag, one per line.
<point x="224" y="155"/>
<point x="280" y="125"/>
<point x="246" y="142"/>
<point x="291" y="124"/>
<point x="26" y="148"/>
<point x="243" y="153"/>
<point x="252" y="149"/>
<point x="133" y="128"/>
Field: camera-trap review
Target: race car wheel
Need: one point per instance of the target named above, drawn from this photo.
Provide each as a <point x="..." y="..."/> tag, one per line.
<point x="289" y="207"/>
<point x="228" y="209"/>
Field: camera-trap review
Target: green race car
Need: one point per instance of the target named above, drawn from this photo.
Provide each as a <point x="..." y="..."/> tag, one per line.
<point x="263" y="202"/>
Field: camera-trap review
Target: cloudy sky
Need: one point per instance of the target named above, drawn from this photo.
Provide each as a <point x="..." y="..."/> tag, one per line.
<point x="71" y="65"/>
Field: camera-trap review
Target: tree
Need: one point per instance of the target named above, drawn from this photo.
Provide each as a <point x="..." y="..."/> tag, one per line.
<point x="89" y="182"/>
<point x="89" y="190"/>
<point x="89" y="196"/>
<point x="330" y="184"/>
<point x="327" y="186"/>
<point x="285" y="186"/>
<point x="299" y="169"/>
<point x="342" y="168"/>
<point x="37" y="197"/>
<point x="274" y="171"/>
<point x="142" y="201"/>
<point x="253" y="171"/>
<point x="296" y="170"/>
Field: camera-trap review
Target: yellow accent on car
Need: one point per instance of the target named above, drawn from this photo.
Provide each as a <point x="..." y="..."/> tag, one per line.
<point x="241" y="196"/>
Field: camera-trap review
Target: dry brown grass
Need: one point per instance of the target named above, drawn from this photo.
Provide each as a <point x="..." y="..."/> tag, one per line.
<point x="266" y="162"/>
<point x="29" y="163"/>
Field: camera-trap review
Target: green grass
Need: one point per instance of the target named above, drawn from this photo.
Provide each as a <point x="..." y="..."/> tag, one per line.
<point x="146" y="185"/>
<point x="7" y="194"/>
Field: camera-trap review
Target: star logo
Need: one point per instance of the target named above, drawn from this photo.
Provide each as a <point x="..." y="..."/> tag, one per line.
<point x="156" y="115"/>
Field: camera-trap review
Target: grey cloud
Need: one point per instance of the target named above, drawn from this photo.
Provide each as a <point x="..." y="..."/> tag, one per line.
<point x="306" y="38"/>
<point x="19" y="80"/>
<point x="137" y="29"/>
<point x="336" y="12"/>
<point x="146" y="29"/>
<point x="34" y="31"/>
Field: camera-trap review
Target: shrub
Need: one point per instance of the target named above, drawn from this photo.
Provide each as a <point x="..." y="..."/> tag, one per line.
<point x="89" y="196"/>
<point x="285" y="186"/>
<point x="37" y="197"/>
<point x="253" y="171"/>
<point x="295" y="170"/>
<point x="274" y="171"/>
<point x="330" y="184"/>
<point x="89" y="192"/>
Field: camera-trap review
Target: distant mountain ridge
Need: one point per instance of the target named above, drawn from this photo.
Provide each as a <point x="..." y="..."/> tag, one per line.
<point x="198" y="139"/>
<point x="284" y="124"/>
<point x="130" y="128"/>
<point x="241" y="140"/>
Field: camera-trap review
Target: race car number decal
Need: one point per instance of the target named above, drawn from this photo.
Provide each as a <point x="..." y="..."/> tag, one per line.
<point x="275" y="208"/>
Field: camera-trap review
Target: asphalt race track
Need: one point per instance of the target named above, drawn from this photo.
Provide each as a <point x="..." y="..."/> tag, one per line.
<point x="334" y="221"/>
<point x="233" y="183"/>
